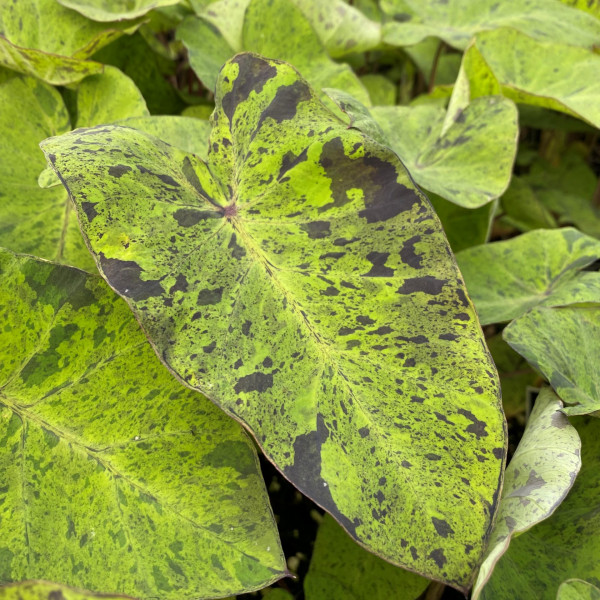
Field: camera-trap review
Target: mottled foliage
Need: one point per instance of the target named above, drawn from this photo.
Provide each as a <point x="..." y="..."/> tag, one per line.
<point x="44" y="39"/>
<point x="304" y="284"/>
<point x="539" y="476"/>
<point x="456" y="21"/>
<point x="566" y="545"/>
<point x="542" y="267"/>
<point x="564" y="344"/>
<point x="115" y="477"/>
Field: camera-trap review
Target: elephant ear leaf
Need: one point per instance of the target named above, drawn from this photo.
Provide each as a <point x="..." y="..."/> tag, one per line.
<point x="304" y="284"/>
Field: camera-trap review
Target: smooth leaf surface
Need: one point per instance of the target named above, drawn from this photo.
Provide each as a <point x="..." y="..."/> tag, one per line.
<point x="539" y="476"/>
<point x="471" y="163"/>
<point x="114" y="10"/>
<point x="91" y="425"/>
<point x="341" y="27"/>
<point x="34" y="220"/>
<point x="564" y="344"/>
<point x="44" y="39"/>
<point x="271" y="28"/>
<point x="577" y="589"/>
<point x="566" y="545"/>
<point x="342" y="570"/>
<point x="547" y="74"/>
<point x="541" y="267"/>
<point x="306" y="286"/>
<point x="108" y="97"/>
<point x="457" y="21"/>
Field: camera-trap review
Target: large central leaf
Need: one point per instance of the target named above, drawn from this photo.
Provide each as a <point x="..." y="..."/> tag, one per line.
<point x="305" y="285"/>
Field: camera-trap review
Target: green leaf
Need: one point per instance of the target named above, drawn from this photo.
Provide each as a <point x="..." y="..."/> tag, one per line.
<point x="342" y="28"/>
<point x="529" y="71"/>
<point x="108" y="97"/>
<point x="464" y="227"/>
<point x="516" y="376"/>
<point x="44" y="39"/>
<point x="470" y="163"/>
<point x="91" y="426"/>
<point x="523" y="209"/>
<point x="457" y="21"/>
<point x="133" y="56"/>
<point x="34" y="220"/>
<point x="44" y="590"/>
<point x="567" y="189"/>
<point x="381" y="90"/>
<point x="114" y="10"/>
<point x="566" y="545"/>
<point x="540" y="267"/>
<point x="539" y="476"/>
<point x="577" y="589"/>
<point x="271" y="28"/>
<point x="358" y="114"/>
<point x="303" y="282"/>
<point x="186" y="133"/>
<point x="564" y="344"/>
<point x="590" y="6"/>
<point x="228" y="18"/>
<point x="341" y="570"/>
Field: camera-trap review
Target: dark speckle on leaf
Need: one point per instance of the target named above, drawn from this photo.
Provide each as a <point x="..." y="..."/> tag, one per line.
<point x="89" y="208"/>
<point x="208" y="296"/>
<point x="118" y="170"/>
<point x="283" y="106"/>
<point x="477" y="427"/>
<point x="317" y="229"/>
<point x="442" y="527"/>
<point x="427" y="284"/>
<point x="377" y="259"/>
<point x="188" y="217"/>
<point x="125" y="277"/>
<point x="253" y="74"/>
<point x="255" y="382"/>
<point x="439" y="557"/>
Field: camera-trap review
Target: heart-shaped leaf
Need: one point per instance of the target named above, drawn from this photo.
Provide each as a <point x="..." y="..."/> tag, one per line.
<point x="539" y="476"/>
<point x="539" y="267"/>
<point x="470" y="162"/>
<point x="549" y="74"/>
<point x="457" y="21"/>
<point x="303" y="282"/>
<point x="341" y="569"/>
<point x="91" y="427"/>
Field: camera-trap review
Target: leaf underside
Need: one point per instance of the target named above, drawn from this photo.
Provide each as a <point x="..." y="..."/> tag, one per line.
<point x="303" y="283"/>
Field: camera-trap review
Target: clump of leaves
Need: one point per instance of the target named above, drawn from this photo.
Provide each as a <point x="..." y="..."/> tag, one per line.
<point x="289" y="276"/>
